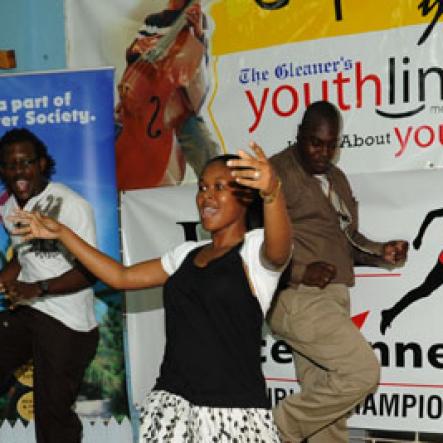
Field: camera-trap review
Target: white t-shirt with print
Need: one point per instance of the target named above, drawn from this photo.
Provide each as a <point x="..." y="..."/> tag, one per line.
<point x="264" y="281"/>
<point x="45" y="259"/>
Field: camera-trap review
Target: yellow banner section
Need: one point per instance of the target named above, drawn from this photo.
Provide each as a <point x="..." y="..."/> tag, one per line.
<point x="250" y="24"/>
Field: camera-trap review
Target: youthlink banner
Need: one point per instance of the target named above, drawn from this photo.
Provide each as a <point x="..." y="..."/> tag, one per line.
<point x="379" y="62"/>
<point x="71" y="111"/>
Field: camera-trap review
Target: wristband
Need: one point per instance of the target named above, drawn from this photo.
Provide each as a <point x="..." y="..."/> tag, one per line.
<point x="269" y="198"/>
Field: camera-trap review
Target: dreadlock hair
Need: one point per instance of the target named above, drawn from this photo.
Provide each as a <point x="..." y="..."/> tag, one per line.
<point x="23" y="135"/>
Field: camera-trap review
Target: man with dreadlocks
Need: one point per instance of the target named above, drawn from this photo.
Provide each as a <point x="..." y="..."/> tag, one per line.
<point x="51" y="318"/>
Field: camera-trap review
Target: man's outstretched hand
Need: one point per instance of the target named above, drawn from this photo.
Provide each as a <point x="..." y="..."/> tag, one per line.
<point x="395" y="251"/>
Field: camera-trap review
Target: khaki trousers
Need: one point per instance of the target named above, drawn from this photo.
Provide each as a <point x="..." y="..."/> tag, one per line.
<point x="336" y="366"/>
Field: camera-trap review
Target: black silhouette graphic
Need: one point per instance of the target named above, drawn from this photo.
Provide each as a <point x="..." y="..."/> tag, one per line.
<point x="432" y="281"/>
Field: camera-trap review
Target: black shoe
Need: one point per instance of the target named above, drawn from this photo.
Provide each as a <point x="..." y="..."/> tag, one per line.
<point x="386" y="320"/>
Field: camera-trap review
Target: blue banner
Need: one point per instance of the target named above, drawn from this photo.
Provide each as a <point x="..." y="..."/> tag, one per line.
<point x="72" y="112"/>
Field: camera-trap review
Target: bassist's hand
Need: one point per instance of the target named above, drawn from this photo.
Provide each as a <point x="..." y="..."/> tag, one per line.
<point x="195" y="19"/>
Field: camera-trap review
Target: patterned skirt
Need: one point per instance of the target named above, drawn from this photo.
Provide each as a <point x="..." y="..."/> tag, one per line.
<point x="169" y="418"/>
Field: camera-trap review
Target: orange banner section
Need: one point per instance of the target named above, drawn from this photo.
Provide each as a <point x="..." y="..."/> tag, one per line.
<point x="242" y="25"/>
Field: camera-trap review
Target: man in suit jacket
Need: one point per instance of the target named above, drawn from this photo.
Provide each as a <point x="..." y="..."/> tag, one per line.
<point x="335" y="364"/>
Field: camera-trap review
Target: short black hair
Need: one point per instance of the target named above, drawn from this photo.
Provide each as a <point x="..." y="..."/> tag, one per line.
<point x="318" y="112"/>
<point x="254" y="213"/>
<point x="23" y="135"/>
<point x="224" y="158"/>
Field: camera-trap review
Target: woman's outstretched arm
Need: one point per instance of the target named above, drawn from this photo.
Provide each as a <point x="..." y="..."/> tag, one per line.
<point x="146" y="274"/>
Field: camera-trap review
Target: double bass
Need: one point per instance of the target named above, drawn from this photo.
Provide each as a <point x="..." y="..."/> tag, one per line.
<point x="151" y="106"/>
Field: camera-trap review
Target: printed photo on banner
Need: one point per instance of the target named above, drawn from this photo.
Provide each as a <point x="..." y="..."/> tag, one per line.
<point x="160" y="94"/>
<point x="162" y="52"/>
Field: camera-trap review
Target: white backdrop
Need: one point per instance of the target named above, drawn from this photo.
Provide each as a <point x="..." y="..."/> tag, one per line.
<point x="392" y="205"/>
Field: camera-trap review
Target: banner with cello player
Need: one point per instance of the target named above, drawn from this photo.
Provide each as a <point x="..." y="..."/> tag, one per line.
<point x="161" y="90"/>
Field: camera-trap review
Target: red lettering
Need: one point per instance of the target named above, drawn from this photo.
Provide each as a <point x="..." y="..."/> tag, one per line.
<point x="340" y="81"/>
<point x="403" y="141"/>
<point x="324" y="90"/>
<point x="360" y="82"/>
<point x="307" y="93"/>
<point x="294" y="97"/>
<point x="258" y="111"/>
<point x="431" y="136"/>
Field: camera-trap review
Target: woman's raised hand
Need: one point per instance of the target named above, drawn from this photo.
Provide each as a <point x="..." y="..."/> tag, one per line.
<point x="254" y="171"/>
<point x="31" y="225"/>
